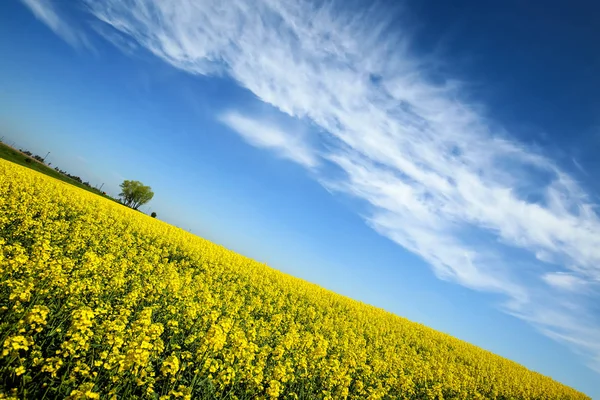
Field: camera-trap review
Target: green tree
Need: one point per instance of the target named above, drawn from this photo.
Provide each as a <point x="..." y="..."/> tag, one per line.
<point x="153" y="215"/>
<point x="135" y="193"/>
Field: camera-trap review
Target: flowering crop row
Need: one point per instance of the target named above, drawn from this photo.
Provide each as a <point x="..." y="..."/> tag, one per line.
<point x="100" y="301"/>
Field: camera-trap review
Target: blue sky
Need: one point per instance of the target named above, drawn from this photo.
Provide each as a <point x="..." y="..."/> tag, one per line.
<point x="436" y="159"/>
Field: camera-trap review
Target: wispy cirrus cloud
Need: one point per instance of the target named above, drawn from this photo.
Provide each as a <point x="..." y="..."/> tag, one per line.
<point x="565" y="281"/>
<point x="47" y="12"/>
<point x="288" y="144"/>
<point x="437" y="175"/>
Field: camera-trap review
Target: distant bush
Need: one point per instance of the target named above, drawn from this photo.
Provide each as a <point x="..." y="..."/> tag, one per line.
<point x="153" y="215"/>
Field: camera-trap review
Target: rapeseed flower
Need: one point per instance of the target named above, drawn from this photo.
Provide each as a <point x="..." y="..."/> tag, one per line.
<point x="100" y="301"/>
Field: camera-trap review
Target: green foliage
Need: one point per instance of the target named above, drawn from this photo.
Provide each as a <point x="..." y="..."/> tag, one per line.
<point x="153" y="215"/>
<point x="135" y="193"/>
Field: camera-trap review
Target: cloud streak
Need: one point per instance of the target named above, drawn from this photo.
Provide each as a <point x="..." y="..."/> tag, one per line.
<point x="437" y="175"/>
<point x="264" y="135"/>
<point x="564" y="281"/>
<point x="46" y="12"/>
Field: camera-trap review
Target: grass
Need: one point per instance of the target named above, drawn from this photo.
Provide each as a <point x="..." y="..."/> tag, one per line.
<point x="15" y="156"/>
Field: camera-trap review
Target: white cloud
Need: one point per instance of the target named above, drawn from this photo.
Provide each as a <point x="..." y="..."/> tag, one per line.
<point x="261" y="134"/>
<point x="579" y="166"/>
<point x="45" y="11"/>
<point x="565" y="281"/>
<point x="438" y="177"/>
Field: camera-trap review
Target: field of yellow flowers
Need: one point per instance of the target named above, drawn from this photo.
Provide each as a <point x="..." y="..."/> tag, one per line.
<point x="100" y="301"/>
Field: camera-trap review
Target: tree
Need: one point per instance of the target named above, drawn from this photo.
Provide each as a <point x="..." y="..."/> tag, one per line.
<point x="153" y="215"/>
<point x="134" y="193"/>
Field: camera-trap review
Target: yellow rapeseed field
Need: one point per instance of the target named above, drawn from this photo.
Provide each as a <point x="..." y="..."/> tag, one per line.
<point x="100" y="301"/>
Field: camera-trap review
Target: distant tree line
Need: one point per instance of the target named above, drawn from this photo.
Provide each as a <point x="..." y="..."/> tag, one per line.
<point x="60" y="171"/>
<point x="75" y="178"/>
<point x="34" y="156"/>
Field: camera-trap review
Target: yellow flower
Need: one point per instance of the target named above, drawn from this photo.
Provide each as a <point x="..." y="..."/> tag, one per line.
<point x="274" y="389"/>
<point x="170" y="365"/>
<point x="16" y="343"/>
<point x="84" y="391"/>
